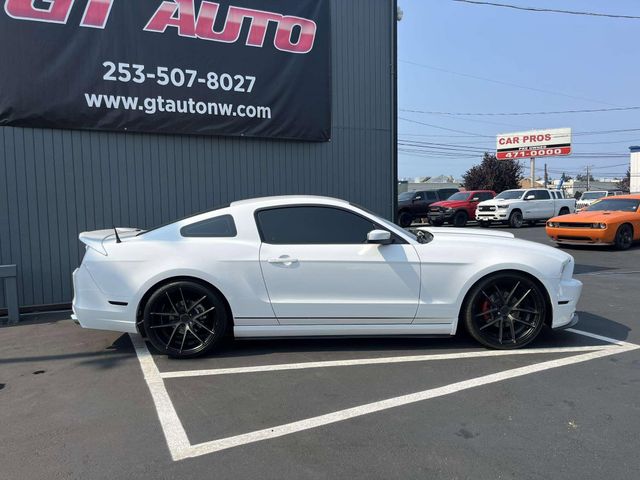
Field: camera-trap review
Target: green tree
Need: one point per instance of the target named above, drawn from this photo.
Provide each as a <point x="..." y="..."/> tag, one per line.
<point x="583" y="177"/>
<point x="493" y="174"/>
<point x="565" y="177"/>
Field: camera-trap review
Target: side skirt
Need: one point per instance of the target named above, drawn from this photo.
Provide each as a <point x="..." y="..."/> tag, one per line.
<point x="342" y="330"/>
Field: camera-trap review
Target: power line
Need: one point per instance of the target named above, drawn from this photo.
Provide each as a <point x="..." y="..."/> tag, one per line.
<point x="548" y="10"/>
<point x="443" y="128"/>
<point x="509" y="84"/>
<point x="591" y="110"/>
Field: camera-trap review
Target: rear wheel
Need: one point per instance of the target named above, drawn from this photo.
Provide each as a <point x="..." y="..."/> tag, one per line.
<point x="505" y="311"/>
<point x="564" y="211"/>
<point x="405" y="219"/>
<point x="185" y="319"/>
<point x="624" y="237"/>
<point x="460" y="219"/>
<point x="515" y="220"/>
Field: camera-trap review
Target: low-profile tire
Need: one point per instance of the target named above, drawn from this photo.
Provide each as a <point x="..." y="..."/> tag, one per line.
<point x="515" y="219"/>
<point x="624" y="237"/>
<point x="405" y="219"/>
<point x="436" y="223"/>
<point x="460" y="219"/>
<point x="505" y="310"/>
<point x="185" y="319"/>
<point x="485" y="223"/>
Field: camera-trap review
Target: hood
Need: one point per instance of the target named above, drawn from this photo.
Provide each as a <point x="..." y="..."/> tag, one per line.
<point x="598" y="216"/>
<point x="450" y="203"/>
<point x="501" y="201"/>
<point x="470" y="233"/>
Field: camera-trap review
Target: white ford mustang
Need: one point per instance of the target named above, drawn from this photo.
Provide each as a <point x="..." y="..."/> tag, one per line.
<point x="316" y="266"/>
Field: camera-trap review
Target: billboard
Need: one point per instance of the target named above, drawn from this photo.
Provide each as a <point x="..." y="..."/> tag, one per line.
<point x="259" y="68"/>
<point x="536" y="143"/>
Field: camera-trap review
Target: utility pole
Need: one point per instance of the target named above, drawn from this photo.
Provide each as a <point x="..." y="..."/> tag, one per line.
<point x="546" y="176"/>
<point x="533" y="172"/>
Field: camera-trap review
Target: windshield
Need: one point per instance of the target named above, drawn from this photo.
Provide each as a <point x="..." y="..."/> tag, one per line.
<point x="510" y="194"/>
<point x="459" y="196"/>
<point x="592" y="195"/>
<point x="406" y="196"/>
<point x="615" y="204"/>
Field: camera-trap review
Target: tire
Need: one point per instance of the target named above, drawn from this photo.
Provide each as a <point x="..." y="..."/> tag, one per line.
<point x="436" y="223"/>
<point x="624" y="237"/>
<point x="485" y="223"/>
<point x="564" y="211"/>
<point x="405" y="219"/>
<point x="185" y="319"/>
<point x="460" y="219"/>
<point x="505" y="311"/>
<point x="515" y="219"/>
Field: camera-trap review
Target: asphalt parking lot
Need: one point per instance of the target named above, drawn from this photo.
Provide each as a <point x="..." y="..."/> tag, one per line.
<point x="87" y="404"/>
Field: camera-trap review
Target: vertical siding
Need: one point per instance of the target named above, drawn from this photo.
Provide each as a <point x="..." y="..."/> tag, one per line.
<point x="57" y="183"/>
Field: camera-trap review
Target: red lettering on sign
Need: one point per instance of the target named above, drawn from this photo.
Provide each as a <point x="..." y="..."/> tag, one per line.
<point x="57" y="12"/>
<point x="307" y="35"/>
<point x="97" y="13"/>
<point x="176" y="13"/>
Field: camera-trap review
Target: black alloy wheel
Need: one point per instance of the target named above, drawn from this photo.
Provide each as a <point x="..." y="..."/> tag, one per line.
<point x="505" y="311"/>
<point x="515" y="219"/>
<point x="185" y="319"/>
<point x="460" y="219"/>
<point x="624" y="237"/>
<point x="405" y="219"/>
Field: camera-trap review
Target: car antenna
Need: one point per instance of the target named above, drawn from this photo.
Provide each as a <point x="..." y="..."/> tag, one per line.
<point x="117" y="236"/>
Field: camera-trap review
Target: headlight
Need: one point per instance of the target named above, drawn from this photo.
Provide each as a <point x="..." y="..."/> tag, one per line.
<point x="600" y="226"/>
<point x="503" y="206"/>
<point x="553" y="224"/>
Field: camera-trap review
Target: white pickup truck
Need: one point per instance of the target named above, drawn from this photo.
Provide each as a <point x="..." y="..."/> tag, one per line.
<point x="515" y="207"/>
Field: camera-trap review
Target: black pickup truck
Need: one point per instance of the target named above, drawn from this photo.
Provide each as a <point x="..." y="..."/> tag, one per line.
<point x="415" y="204"/>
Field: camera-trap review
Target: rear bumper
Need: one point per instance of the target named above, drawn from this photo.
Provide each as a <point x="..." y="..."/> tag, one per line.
<point x="564" y="311"/>
<point x="91" y="308"/>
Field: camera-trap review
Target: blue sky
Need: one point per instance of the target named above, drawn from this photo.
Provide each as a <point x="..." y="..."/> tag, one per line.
<point x="580" y="62"/>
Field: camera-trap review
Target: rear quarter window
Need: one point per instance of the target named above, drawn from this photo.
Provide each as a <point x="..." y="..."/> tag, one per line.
<point x="222" y="226"/>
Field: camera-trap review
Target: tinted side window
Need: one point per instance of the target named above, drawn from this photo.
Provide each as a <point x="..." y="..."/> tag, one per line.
<point x="484" y="196"/>
<point x="541" y="194"/>
<point x="430" y="195"/>
<point x="312" y="225"/>
<point x="222" y="226"/>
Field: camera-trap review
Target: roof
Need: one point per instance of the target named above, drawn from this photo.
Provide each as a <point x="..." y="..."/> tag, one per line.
<point x="287" y="199"/>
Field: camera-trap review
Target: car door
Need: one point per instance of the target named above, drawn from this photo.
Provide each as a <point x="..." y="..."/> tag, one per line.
<point x="545" y="207"/>
<point x="318" y="268"/>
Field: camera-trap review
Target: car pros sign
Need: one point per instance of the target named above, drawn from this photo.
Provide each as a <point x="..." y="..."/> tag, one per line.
<point x="536" y="143"/>
<point x="230" y="67"/>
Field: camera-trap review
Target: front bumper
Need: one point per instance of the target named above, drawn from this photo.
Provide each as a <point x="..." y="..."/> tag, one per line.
<point x="91" y="308"/>
<point x="495" y="216"/>
<point x="564" y="311"/>
<point x="440" y="216"/>
<point x="580" y="236"/>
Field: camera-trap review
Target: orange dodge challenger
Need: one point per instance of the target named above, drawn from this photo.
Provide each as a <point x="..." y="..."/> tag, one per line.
<point x="609" y="221"/>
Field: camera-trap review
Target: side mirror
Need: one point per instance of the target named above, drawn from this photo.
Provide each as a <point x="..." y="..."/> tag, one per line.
<point x="417" y="198"/>
<point x="379" y="237"/>
<point x="530" y="197"/>
<point x="475" y="199"/>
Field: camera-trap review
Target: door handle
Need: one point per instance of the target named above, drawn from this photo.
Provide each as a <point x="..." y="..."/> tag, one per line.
<point x="284" y="259"/>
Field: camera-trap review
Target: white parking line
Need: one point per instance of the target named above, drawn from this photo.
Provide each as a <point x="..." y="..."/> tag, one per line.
<point x="375" y="361"/>
<point x="179" y="445"/>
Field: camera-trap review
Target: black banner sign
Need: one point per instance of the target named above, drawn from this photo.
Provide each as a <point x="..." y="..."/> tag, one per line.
<point x="258" y="68"/>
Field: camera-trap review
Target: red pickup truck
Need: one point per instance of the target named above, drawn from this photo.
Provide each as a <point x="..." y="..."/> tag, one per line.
<point x="458" y="208"/>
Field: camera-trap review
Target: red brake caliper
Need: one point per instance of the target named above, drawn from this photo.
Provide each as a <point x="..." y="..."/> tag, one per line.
<point x="486" y="306"/>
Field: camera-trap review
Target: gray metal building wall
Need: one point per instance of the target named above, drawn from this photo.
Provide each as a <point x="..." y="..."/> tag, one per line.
<point x="57" y="183"/>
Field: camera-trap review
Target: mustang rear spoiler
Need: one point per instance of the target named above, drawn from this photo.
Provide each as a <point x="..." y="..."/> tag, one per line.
<point x="97" y="239"/>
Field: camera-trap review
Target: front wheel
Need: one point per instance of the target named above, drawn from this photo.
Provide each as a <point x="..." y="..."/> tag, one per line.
<point x="405" y="219"/>
<point x="185" y="319"/>
<point x="624" y="237"/>
<point x="505" y="311"/>
<point x="516" y="220"/>
<point x="460" y="219"/>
